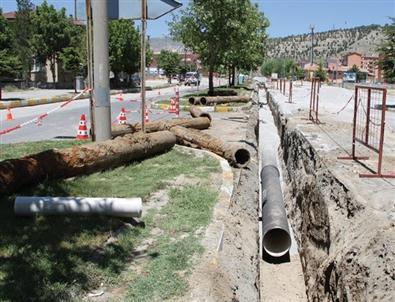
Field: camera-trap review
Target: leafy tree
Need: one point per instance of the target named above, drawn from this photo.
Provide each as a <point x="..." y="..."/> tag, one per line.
<point x="9" y="62"/>
<point x="204" y="27"/>
<point x="246" y="47"/>
<point x="387" y="53"/>
<point x="360" y="75"/>
<point x="74" y="57"/>
<point x="321" y="73"/>
<point x="23" y="34"/>
<point x="52" y="33"/>
<point x="124" y="48"/>
<point x="283" y="67"/>
<point x="169" y="62"/>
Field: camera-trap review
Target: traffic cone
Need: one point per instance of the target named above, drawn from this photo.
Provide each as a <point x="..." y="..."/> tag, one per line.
<point x="9" y="116"/>
<point x="146" y="117"/>
<point x="122" y="117"/>
<point x="172" y="108"/>
<point x="82" y="129"/>
<point x="119" y="97"/>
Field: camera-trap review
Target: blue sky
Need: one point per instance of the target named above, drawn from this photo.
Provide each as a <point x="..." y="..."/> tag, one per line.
<point x="287" y="17"/>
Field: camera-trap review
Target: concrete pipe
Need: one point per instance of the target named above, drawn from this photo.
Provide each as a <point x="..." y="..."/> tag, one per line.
<point x="196" y="112"/>
<point x="117" y="207"/>
<point x="192" y="100"/>
<point x="276" y="239"/>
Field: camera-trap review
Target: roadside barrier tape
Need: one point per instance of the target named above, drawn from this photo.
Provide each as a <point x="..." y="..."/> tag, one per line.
<point x="345" y="106"/>
<point x="38" y="120"/>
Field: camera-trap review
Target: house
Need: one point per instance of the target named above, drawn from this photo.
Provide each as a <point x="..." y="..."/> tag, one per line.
<point x="310" y="69"/>
<point x="366" y="63"/>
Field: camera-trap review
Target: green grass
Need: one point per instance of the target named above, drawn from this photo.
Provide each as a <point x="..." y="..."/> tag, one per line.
<point x="189" y="209"/>
<point x="8" y="151"/>
<point x="56" y="258"/>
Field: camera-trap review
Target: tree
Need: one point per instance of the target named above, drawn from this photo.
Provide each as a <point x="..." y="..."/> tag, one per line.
<point x="247" y="39"/>
<point x="9" y="62"/>
<point x="23" y="35"/>
<point x="124" y="48"/>
<point x="360" y="75"/>
<point x="387" y="53"/>
<point x="321" y="73"/>
<point x="169" y="62"/>
<point x="52" y="33"/>
<point x="73" y="57"/>
<point x="204" y="27"/>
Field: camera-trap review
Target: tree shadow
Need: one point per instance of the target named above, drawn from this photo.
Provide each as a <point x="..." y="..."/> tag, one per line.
<point x="47" y="259"/>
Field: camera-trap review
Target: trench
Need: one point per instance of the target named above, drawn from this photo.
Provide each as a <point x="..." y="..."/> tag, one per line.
<point x="343" y="258"/>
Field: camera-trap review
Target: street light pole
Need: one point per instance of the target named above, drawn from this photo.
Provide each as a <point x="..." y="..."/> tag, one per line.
<point x="142" y="65"/>
<point x="101" y="90"/>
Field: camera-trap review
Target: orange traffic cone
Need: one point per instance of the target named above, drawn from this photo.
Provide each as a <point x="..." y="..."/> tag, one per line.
<point x="172" y="108"/>
<point x="82" y="129"/>
<point x="9" y="116"/>
<point x="119" y="97"/>
<point x="146" y="117"/>
<point x="122" y="117"/>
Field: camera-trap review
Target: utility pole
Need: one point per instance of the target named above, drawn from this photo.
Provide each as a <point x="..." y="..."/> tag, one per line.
<point x="89" y="56"/>
<point x="142" y="65"/>
<point x="101" y="90"/>
<point x="312" y="44"/>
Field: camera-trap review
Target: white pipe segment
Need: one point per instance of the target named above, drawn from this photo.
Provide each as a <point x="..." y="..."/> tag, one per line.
<point x="119" y="207"/>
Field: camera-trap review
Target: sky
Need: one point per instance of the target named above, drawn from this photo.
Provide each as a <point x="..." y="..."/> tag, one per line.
<point x="287" y="17"/>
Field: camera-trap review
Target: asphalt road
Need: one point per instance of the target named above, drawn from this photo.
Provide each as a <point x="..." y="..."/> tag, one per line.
<point x="64" y="122"/>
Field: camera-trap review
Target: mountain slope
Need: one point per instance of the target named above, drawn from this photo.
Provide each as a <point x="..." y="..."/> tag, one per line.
<point x="363" y="39"/>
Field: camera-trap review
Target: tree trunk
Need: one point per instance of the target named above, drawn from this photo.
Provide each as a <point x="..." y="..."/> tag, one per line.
<point x="211" y="80"/>
<point x="233" y="75"/>
<point x="86" y="159"/>
<point x="196" y="123"/>
<point x="196" y="139"/>
<point x="229" y="76"/>
<point x="52" y="62"/>
<point x="75" y="83"/>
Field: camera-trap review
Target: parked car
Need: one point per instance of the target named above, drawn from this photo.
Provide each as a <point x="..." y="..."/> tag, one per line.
<point x="192" y="78"/>
<point x="135" y="79"/>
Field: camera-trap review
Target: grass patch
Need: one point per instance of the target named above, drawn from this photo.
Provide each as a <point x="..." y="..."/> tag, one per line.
<point x="58" y="258"/>
<point x="8" y="151"/>
<point x="188" y="210"/>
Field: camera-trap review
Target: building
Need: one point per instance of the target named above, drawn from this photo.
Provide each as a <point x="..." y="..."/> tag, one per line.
<point x="41" y="74"/>
<point x="366" y="63"/>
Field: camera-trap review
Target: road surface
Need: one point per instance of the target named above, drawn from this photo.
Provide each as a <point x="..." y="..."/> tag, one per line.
<point x="64" y="122"/>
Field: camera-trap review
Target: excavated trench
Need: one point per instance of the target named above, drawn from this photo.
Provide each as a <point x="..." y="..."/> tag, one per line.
<point x="344" y="257"/>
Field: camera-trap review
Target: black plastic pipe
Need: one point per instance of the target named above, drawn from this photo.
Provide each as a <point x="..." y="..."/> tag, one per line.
<point x="276" y="239"/>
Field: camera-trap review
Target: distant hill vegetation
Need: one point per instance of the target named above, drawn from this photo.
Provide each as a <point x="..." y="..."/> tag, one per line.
<point x="332" y="43"/>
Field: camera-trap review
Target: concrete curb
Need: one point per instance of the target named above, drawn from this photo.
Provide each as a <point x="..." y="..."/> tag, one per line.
<point x="64" y="97"/>
<point x="205" y="108"/>
<point x="214" y="235"/>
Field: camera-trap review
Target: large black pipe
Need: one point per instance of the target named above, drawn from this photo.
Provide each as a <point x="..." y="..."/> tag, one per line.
<point x="276" y="239"/>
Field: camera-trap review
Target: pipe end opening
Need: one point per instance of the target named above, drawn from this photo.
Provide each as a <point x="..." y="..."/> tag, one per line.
<point x="276" y="242"/>
<point x="203" y="101"/>
<point x="242" y="157"/>
<point x="191" y="100"/>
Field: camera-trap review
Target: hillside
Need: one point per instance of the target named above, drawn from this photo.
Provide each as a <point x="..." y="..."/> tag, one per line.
<point x="363" y="39"/>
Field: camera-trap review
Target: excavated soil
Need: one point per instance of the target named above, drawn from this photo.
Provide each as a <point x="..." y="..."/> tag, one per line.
<point x="344" y="225"/>
<point x="231" y="273"/>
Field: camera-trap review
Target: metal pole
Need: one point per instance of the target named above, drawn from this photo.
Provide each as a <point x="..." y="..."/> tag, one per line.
<point x="89" y="57"/>
<point x="312" y="45"/>
<point x="101" y="71"/>
<point x="142" y="66"/>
